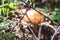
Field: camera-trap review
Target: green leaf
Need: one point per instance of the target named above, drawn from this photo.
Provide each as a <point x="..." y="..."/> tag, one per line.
<point x="54" y="17"/>
<point x="1" y="38"/>
<point x="3" y="19"/>
<point x="53" y="13"/>
<point x="24" y="37"/>
<point x="0" y="9"/>
<point x="3" y="5"/>
<point x="2" y="26"/>
<point x="11" y="35"/>
<point x="59" y="16"/>
<point x="40" y="9"/>
<point x="5" y="11"/>
<point x="56" y="0"/>
<point x="57" y="9"/>
<point x="12" y="5"/>
<point x="31" y="1"/>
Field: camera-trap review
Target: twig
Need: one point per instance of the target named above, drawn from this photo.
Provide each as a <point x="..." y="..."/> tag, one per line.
<point x="54" y="35"/>
<point x="58" y="28"/>
<point x="33" y="33"/>
<point x="56" y="32"/>
<point x="47" y="24"/>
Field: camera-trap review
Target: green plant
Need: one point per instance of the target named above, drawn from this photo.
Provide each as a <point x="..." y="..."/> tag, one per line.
<point x="12" y="5"/>
<point x="3" y="26"/>
<point x="55" y="15"/>
<point x="11" y="35"/>
<point x="56" y="0"/>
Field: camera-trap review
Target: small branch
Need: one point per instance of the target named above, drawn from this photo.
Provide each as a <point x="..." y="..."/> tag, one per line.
<point x="54" y="35"/>
<point x="56" y="32"/>
<point x="58" y="28"/>
<point x="47" y="24"/>
<point x="33" y="33"/>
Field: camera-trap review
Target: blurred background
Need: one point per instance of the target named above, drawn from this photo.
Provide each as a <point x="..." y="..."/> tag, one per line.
<point x="12" y="12"/>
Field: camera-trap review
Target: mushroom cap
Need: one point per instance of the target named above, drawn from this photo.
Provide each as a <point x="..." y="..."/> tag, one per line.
<point x="33" y="17"/>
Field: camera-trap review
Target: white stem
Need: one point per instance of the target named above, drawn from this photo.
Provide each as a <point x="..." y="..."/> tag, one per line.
<point x="39" y="33"/>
